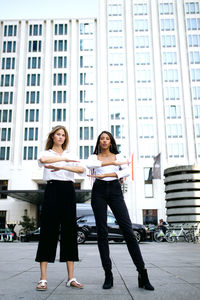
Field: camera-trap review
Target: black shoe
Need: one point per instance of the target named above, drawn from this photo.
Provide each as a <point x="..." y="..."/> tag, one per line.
<point x="108" y="283"/>
<point x="143" y="280"/>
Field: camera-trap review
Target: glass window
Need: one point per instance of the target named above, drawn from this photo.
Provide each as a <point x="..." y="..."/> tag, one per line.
<point x="197" y="111"/>
<point x="174" y="131"/>
<point x="168" y="41"/>
<point x="192" y="8"/>
<point x="195" y="57"/>
<point x="173" y="111"/>
<point x="150" y="216"/>
<point x="142" y="41"/>
<point x="141" y="25"/>
<point x="172" y="93"/>
<point x="193" y="23"/>
<point x="169" y="58"/>
<point x="195" y="74"/>
<point x="115" y="26"/>
<point x="167" y="24"/>
<point x="196" y="92"/>
<point x="170" y="75"/>
<point x="86" y="28"/>
<point x="166" y="8"/>
<point x="140" y="9"/>
<point x="175" y="150"/>
<point x="115" y="42"/>
<point x="115" y="9"/>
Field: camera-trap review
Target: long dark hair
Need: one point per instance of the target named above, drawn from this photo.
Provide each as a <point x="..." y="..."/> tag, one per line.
<point x="49" y="143"/>
<point x="113" y="146"/>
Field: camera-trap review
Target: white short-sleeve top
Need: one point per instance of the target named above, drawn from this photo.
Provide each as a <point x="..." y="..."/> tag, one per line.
<point x="121" y="171"/>
<point x="63" y="175"/>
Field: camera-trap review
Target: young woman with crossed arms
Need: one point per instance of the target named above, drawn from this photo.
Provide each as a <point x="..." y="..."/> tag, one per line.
<point x="109" y="167"/>
<point x="59" y="207"/>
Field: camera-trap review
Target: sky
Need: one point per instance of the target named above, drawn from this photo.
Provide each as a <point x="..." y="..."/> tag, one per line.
<point x="45" y="9"/>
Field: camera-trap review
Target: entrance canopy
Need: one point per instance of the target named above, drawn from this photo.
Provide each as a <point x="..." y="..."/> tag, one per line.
<point x="36" y="196"/>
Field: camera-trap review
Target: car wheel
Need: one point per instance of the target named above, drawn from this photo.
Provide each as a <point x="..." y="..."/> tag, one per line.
<point x="81" y="238"/>
<point x="138" y="236"/>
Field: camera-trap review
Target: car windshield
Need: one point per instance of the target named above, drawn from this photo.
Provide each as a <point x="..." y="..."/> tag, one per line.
<point x="91" y="219"/>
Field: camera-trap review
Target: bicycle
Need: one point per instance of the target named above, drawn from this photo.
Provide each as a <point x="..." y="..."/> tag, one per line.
<point x="160" y="236"/>
<point x="174" y="236"/>
<point x="193" y="234"/>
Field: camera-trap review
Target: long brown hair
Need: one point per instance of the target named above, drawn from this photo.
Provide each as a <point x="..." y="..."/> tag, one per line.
<point x="113" y="146"/>
<point x="49" y="143"/>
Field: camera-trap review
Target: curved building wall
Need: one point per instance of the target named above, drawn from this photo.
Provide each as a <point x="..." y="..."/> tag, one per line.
<point x="182" y="188"/>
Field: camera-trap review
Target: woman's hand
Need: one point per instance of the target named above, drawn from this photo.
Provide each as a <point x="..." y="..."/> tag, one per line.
<point x="53" y="168"/>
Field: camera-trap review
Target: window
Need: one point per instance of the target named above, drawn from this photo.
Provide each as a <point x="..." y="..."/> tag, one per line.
<point x="87" y="61"/>
<point x="8" y="63"/>
<point x="86" y="133"/>
<point x="142" y="41"/>
<point x="150" y="216"/>
<point x="143" y="76"/>
<point x="60" y="29"/>
<point x="30" y="134"/>
<point x="174" y="131"/>
<point x="33" y="79"/>
<point x="168" y="41"/>
<point x="170" y="75"/>
<point x="86" y="44"/>
<point x="60" y="45"/>
<point x="35" y="29"/>
<point x="173" y="111"/>
<point x="30" y="153"/>
<point x="60" y="79"/>
<point x="193" y="23"/>
<point x="34" y="46"/>
<point x="195" y="57"/>
<point x="140" y="9"/>
<point x="6" y="97"/>
<point x="192" y="8"/>
<point x="167" y="24"/>
<point x="197" y="130"/>
<point x="175" y="150"/>
<point x="141" y="25"/>
<point x="7" y="80"/>
<point x="87" y="78"/>
<point x="196" y="92"/>
<point x="144" y="94"/>
<point x="197" y="111"/>
<point x="116" y="76"/>
<point x="59" y="96"/>
<point x="32" y="97"/>
<point x="31" y="115"/>
<point x="172" y="93"/>
<point x="195" y="74"/>
<point x="194" y="40"/>
<point x="87" y="114"/>
<point x="166" y="8"/>
<point x="10" y="30"/>
<point x="87" y="96"/>
<point x="115" y="26"/>
<point x="142" y="58"/>
<point x="59" y="115"/>
<point x="86" y="28"/>
<point x="60" y="61"/>
<point x="6" y="115"/>
<point x="4" y="153"/>
<point x="5" y="134"/>
<point x="115" y="9"/>
<point x="117" y="131"/>
<point x="34" y="62"/>
<point x="148" y="183"/>
<point x="145" y="112"/>
<point x="169" y="58"/>
<point x="3" y="187"/>
<point x="146" y="131"/>
<point x="115" y="42"/>
<point x="116" y="59"/>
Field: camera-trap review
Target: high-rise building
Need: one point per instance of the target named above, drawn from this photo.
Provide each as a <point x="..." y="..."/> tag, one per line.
<point x="135" y="71"/>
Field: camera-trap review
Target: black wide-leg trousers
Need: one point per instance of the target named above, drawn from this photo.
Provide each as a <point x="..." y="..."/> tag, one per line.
<point x="58" y="217"/>
<point x="109" y="193"/>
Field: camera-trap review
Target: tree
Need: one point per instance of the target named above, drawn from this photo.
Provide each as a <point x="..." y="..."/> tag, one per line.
<point x="28" y="224"/>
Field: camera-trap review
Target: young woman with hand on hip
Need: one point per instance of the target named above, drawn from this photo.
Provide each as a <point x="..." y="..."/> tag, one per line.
<point x="58" y="216"/>
<point x="109" y="166"/>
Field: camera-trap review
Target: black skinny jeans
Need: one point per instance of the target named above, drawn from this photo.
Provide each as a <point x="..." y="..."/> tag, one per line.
<point x="109" y="193"/>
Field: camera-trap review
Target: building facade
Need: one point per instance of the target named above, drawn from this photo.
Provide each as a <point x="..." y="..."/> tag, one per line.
<point x="135" y="71"/>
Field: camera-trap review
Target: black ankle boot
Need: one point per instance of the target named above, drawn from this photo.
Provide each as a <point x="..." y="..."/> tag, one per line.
<point x="143" y="280"/>
<point x="108" y="283"/>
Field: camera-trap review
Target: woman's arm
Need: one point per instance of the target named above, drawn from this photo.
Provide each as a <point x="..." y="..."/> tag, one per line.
<point x="74" y="169"/>
<point x="53" y="159"/>
<point x="94" y="163"/>
<point x="103" y="175"/>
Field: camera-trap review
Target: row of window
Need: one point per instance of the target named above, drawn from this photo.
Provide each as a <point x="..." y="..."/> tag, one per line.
<point x="192" y="7"/>
<point x="87" y="96"/>
<point x="6" y="97"/>
<point x="193" y="23"/>
<point x="60" y="29"/>
<point x="86" y="28"/>
<point x="59" y="115"/>
<point x="194" y="40"/>
<point x="59" y="96"/>
<point x="4" y="153"/>
<point x="7" y="80"/>
<point x="34" y="62"/>
<point x="31" y="134"/>
<point x="87" y="114"/>
<point x="34" y="46"/>
<point x="87" y="61"/>
<point x="35" y="30"/>
<point x="85" y="151"/>
<point x="60" y="45"/>
<point x="30" y="153"/>
<point x="31" y="115"/>
<point x="33" y="79"/>
<point x="60" y="62"/>
<point x="8" y="63"/>
<point x="60" y="79"/>
<point x="86" y="44"/>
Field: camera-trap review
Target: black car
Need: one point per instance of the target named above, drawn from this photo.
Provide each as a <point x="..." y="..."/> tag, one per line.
<point x="30" y="236"/>
<point x="87" y="229"/>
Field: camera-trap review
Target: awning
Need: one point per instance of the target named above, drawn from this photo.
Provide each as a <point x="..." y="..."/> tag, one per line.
<point x="36" y="196"/>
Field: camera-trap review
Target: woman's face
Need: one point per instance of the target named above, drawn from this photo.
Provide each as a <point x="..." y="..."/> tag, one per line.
<point x="104" y="141"/>
<point x="59" y="137"/>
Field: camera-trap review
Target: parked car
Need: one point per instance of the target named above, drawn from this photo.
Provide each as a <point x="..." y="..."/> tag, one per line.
<point x="7" y="235"/>
<point x="30" y="236"/>
<point x="87" y="229"/>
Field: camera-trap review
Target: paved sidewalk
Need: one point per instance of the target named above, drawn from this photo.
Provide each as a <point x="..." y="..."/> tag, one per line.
<point x="174" y="270"/>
